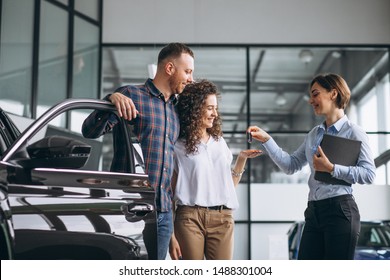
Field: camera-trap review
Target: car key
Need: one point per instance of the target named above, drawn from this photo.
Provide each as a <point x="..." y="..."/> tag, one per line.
<point x="249" y="137"/>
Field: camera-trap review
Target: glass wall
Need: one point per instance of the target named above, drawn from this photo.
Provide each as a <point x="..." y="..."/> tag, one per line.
<point x="268" y="87"/>
<point x="16" y="44"/>
<point x="89" y="8"/>
<point x="53" y="62"/>
<point x="50" y="50"/>
<point x="373" y="115"/>
<point x="86" y="60"/>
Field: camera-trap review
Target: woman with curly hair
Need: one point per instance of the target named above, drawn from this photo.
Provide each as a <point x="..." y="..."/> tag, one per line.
<point x="204" y="183"/>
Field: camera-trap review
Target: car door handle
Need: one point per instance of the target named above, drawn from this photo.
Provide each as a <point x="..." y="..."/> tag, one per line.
<point x="137" y="211"/>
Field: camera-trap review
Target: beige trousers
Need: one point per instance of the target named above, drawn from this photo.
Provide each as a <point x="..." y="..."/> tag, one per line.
<point x="204" y="234"/>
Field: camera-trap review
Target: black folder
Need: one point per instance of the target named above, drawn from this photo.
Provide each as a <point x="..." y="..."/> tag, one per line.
<point x="338" y="150"/>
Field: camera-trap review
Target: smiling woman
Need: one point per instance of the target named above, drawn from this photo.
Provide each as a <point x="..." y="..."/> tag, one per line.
<point x="204" y="184"/>
<point x="332" y="216"/>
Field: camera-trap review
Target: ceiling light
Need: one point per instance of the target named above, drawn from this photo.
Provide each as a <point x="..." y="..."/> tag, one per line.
<point x="336" y="54"/>
<point x="306" y="56"/>
<point x="233" y="87"/>
<point x="280" y="99"/>
<point x="285" y="126"/>
<point x="267" y="88"/>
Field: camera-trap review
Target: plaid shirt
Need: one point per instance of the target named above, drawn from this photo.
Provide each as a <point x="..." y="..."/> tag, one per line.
<point x="157" y="129"/>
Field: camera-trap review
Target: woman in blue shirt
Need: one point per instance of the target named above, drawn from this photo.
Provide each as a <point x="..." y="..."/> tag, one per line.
<point x="332" y="219"/>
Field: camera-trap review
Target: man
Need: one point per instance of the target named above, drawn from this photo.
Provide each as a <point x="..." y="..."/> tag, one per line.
<point x="151" y="109"/>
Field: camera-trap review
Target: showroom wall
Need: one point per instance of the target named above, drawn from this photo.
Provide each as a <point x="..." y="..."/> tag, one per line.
<point x="249" y="21"/>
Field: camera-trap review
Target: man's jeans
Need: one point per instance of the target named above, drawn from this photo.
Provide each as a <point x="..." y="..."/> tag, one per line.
<point x="164" y="232"/>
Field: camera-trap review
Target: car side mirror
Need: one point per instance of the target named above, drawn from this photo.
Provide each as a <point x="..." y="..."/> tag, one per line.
<point x="58" y="152"/>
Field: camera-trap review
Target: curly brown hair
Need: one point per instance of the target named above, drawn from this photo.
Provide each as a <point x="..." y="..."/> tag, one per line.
<point x="191" y="107"/>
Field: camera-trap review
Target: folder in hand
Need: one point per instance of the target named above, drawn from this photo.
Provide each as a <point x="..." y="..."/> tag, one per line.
<point x="338" y="150"/>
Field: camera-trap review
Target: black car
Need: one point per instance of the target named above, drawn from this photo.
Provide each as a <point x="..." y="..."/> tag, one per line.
<point x="59" y="199"/>
<point x="373" y="242"/>
<point x="8" y="134"/>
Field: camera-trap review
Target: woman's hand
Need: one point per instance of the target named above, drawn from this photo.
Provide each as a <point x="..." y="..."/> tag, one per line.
<point x="250" y="153"/>
<point x="321" y="162"/>
<point x="258" y="134"/>
<point x="174" y="249"/>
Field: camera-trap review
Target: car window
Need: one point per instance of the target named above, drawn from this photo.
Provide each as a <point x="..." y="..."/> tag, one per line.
<point x="8" y="132"/>
<point x="3" y="145"/>
<point x="387" y="234"/>
<point x="293" y="237"/>
<point x="100" y="153"/>
<point x="374" y="238"/>
<point x="383" y="233"/>
<point x="374" y="235"/>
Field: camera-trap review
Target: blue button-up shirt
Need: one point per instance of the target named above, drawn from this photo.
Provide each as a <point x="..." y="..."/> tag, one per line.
<point x="362" y="173"/>
<point x="157" y="129"/>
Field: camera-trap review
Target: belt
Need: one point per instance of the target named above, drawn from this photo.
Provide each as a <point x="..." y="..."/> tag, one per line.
<point x="218" y="207"/>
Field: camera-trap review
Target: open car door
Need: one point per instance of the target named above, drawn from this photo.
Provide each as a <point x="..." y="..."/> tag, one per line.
<point x="65" y="202"/>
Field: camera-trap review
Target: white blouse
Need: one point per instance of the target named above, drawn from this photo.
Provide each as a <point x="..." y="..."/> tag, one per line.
<point x="205" y="179"/>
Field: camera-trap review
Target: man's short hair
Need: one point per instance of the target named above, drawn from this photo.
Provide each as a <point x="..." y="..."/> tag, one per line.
<point x="173" y="50"/>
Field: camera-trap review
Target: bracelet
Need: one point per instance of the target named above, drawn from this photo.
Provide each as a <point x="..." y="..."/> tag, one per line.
<point x="237" y="174"/>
